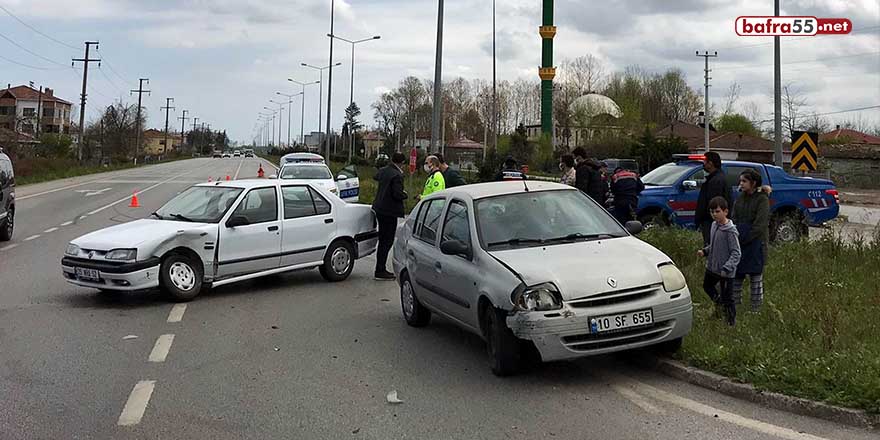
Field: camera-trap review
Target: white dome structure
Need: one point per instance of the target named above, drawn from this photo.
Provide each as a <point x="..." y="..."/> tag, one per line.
<point x="594" y="104"/>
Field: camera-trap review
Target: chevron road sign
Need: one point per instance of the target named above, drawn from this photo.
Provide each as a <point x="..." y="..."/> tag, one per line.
<point x="804" y="150"/>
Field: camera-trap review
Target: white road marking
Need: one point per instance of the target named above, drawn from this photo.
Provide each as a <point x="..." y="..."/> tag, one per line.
<point x="32" y="237"/>
<point x="637" y="399"/>
<point x="11" y="246"/>
<point x="82" y="217"/>
<point x="161" y="349"/>
<point x="736" y="419"/>
<point x="92" y="192"/>
<point x="176" y="314"/>
<point x="137" y="403"/>
<point x="67" y="223"/>
<point x="53" y="190"/>
<point x="50" y="230"/>
<point x="272" y="165"/>
<point x="127" y="198"/>
<point x="235" y="177"/>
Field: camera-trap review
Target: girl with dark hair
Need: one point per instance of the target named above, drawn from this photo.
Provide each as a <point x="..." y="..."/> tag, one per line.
<point x="751" y="213"/>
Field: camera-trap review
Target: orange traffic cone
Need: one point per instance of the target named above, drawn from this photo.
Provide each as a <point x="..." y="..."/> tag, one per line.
<point x="134" y="201"/>
<point x="260" y="173"/>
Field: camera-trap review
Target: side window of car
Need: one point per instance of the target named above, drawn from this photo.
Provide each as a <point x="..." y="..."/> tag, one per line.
<point x="420" y="219"/>
<point x="732" y="174"/>
<point x="321" y="204"/>
<point x="259" y="205"/>
<point x="3" y="172"/>
<point x="349" y="171"/>
<point x="456" y="226"/>
<point x="431" y="224"/>
<point x="698" y="176"/>
<point x="297" y="202"/>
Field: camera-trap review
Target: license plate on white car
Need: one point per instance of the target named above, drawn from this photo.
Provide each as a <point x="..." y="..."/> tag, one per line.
<point x="88" y="274"/>
<point x="351" y="192"/>
<point x="606" y="323"/>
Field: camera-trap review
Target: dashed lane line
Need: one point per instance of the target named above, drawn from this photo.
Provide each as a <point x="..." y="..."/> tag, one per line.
<point x="32" y="237"/>
<point x="67" y="223"/>
<point x="50" y="230"/>
<point x="137" y="403"/>
<point x="161" y="349"/>
<point x="8" y="247"/>
<point x="238" y="171"/>
<point x="176" y="314"/>
<point x="127" y="198"/>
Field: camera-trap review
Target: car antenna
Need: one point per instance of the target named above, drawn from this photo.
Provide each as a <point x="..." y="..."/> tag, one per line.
<point x="525" y="185"/>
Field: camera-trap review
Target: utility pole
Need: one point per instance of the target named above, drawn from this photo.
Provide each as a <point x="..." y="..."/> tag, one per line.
<point x="706" y="56"/>
<point x="330" y="76"/>
<point x="82" y="103"/>
<point x="140" y="91"/>
<point x="777" y="95"/>
<point x="290" y="109"/>
<point x="183" y="120"/>
<point x="167" y="109"/>
<point x="438" y="78"/>
<point x="280" y="120"/>
<point x="193" y="133"/>
<point x="351" y="98"/>
<point x="321" y="93"/>
<point x="39" y="112"/>
<point x="494" y="85"/>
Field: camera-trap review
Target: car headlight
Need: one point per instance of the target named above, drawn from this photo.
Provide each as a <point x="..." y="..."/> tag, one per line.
<point x="122" y="255"/>
<point x="539" y="298"/>
<point x="72" y="249"/>
<point x="673" y="279"/>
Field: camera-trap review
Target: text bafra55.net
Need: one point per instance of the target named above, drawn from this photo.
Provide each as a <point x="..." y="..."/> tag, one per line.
<point x="764" y="26"/>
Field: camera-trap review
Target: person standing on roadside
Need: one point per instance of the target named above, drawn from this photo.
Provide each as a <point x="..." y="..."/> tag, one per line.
<point x="625" y="187"/>
<point x="509" y="171"/>
<point x="435" y="181"/>
<point x="714" y="186"/>
<point x="588" y="178"/>
<point x="451" y="177"/>
<point x="722" y="256"/>
<point x="566" y="165"/>
<point x="388" y="206"/>
<point x="751" y="212"/>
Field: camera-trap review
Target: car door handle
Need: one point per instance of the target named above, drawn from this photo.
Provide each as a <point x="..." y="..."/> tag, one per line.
<point x="438" y="265"/>
<point x="273" y="228"/>
<point x="328" y="220"/>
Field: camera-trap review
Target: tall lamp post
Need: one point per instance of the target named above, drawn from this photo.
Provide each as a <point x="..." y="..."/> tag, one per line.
<point x="280" y="115"/>
<point x="321" y="93"/>
<point x="302" y="116"/>
<point x="290" y="109"/>
<point x="273" y="112"/>
<point x="351" y="100"/>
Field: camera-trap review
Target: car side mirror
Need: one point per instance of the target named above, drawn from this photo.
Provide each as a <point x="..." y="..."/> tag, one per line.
<point x="273" y="176"/>
<point x="237" y="220"/>
<point x="455" y="247"/>
<point x="341" y="177"/>
<point x="634" y="227"/>
<point x="689" y="185"/>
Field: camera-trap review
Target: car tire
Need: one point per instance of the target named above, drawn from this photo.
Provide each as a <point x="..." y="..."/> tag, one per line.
<point x="651" y="221"/>
<point x="338" y="262"/>
<point x="415" y="314"/>
<point x="788" y="228"/>
<point x="505" y="349"/>
<point x="8" y="226"/>
<point x="180" y="277"/>
<point x="669" y="347"/>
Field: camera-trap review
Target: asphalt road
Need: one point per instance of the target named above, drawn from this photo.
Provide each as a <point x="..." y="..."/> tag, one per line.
<point x="293" y="356"/>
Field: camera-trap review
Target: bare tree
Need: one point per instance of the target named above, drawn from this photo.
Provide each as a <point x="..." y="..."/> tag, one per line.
<point x="792" y="103"/>
<point x="730" y="99"/>
<point x="586" y="73"/>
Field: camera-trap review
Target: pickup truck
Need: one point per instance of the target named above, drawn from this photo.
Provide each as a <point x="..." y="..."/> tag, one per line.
<point x="671" y="190"/>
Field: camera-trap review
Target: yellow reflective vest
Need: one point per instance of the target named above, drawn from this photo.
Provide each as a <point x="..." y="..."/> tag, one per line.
<point x="435" y="183"/>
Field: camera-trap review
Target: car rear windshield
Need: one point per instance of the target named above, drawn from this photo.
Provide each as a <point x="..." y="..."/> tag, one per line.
<point x="542" y="218"/>
<point x="306" y="172"/>
<point x="203" y="204"/>
<point x="667" y="174"/>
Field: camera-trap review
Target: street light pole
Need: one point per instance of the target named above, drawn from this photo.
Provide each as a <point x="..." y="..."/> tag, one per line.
<point x="438" y="77"/>
<point x="320" y="96"/>
<point x="280" y="114"/>
<point x="290" y="109"/>
<point x="330" y="76"/>
<point x="272" y="111"/>
<point x="351" y="99"/>
<point x="302" y="123"/>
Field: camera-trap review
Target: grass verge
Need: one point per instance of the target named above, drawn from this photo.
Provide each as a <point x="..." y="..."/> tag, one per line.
<point x="818" y="334"/>
<point x="37" y="170"/>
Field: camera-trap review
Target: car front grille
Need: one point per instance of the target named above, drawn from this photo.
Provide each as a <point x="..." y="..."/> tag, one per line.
<point x="614" y="338"/>
<point x="615" y="297"/>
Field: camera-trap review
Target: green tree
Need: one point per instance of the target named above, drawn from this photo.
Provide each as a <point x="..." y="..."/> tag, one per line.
<point x="519" y="145"/>
<point x="735" y="123"/>
<point x="56" y="145"/>
<point x="653" y="152"/>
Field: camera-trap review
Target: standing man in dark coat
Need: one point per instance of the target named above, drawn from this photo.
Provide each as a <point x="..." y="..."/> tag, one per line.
<point x="588" y="177"/>
<point x="714" y="186"/>
<point x="388" y="206"/>
<point x="625" y="187"/>
<point x="452" y="177"/>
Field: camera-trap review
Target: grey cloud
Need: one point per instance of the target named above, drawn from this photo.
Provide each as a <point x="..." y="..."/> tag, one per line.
<point x="508" y="44"/>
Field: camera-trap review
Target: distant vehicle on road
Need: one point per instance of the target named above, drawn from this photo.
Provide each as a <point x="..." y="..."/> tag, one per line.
<point x="7" y="197"/>
<point x="537" y="269"/>
<point x="248" y="153"/>
<point x="346" y="185"/>
<point x="219" y="233"/>
<point x="301" y="158"/>
<point x="226" y="155"/>
<point x="217" y="153"/>
<point x="671" y="190"/>
<point x="236" y="153"/>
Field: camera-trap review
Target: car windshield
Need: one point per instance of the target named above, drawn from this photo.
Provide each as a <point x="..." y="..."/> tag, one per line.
<point x="202" y="204"/>
<point x="542" y="218"/>
<point x="667" y="174"/>
<point x="306" y="172"/>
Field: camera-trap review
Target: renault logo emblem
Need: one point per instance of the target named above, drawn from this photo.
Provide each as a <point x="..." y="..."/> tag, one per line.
<point x="612" y="282"/>
<point x="91" y="255"/>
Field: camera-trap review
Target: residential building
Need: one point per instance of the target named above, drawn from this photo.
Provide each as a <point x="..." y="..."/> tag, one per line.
<point x="735" y="146"/>
<point x="154" y="142"/>
<point x="693" y="134"/>
<point x="851" y="157"/>
<point x="19" y="107"/>
<point x="464" y="154"/>
<point x="373" y="143"/>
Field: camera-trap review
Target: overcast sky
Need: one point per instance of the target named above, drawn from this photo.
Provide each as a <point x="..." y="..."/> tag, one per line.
<point x="224" y="59"/>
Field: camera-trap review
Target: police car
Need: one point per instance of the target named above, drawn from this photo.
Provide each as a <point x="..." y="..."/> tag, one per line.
<point x="310" y="166"/>
<point x="671" y="192"/>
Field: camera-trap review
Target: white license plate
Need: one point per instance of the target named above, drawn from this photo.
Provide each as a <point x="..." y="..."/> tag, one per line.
<point x="88" y="274"/>
<point x="606" y="323"/>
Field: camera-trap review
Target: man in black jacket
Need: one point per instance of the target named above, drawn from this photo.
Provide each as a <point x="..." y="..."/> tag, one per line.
<point x="388" y="207"/>
<point x="714" y="186"/>
<point x="588" y="177"/>
<point x="450" y="176"/>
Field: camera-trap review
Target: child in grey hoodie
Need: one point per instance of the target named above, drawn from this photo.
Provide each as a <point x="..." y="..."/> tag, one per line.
<point x="722" y="257"/>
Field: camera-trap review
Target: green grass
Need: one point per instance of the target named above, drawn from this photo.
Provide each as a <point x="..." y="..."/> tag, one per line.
<point x="37" y="170"/>
<point x="818" y="334"/>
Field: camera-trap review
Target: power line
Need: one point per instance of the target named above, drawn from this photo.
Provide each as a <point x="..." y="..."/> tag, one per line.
<point x="36" y="30"/>
<point x="28" y="65"/>
<point x="804" y="61"/>
<point x="30" y="51"/>
<point x="112" y="70"/>
<point x="109" y="80"/>
<point x="835" y="112"/>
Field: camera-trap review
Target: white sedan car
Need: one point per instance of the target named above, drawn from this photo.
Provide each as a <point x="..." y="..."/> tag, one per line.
<point x="346" y="185"/>
<point x="219" y="233"/>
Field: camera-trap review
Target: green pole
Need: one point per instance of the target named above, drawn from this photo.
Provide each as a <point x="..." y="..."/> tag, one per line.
<point x="547" y="71"/>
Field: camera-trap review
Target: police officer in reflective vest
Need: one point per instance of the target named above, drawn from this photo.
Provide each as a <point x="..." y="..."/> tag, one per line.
<point x="509" y="171"/>
<point x="625" y="187"/>
<point x="435" y="181"/>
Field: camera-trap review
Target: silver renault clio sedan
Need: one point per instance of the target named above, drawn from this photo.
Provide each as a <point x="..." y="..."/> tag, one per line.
<point x="537" y="267"/>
